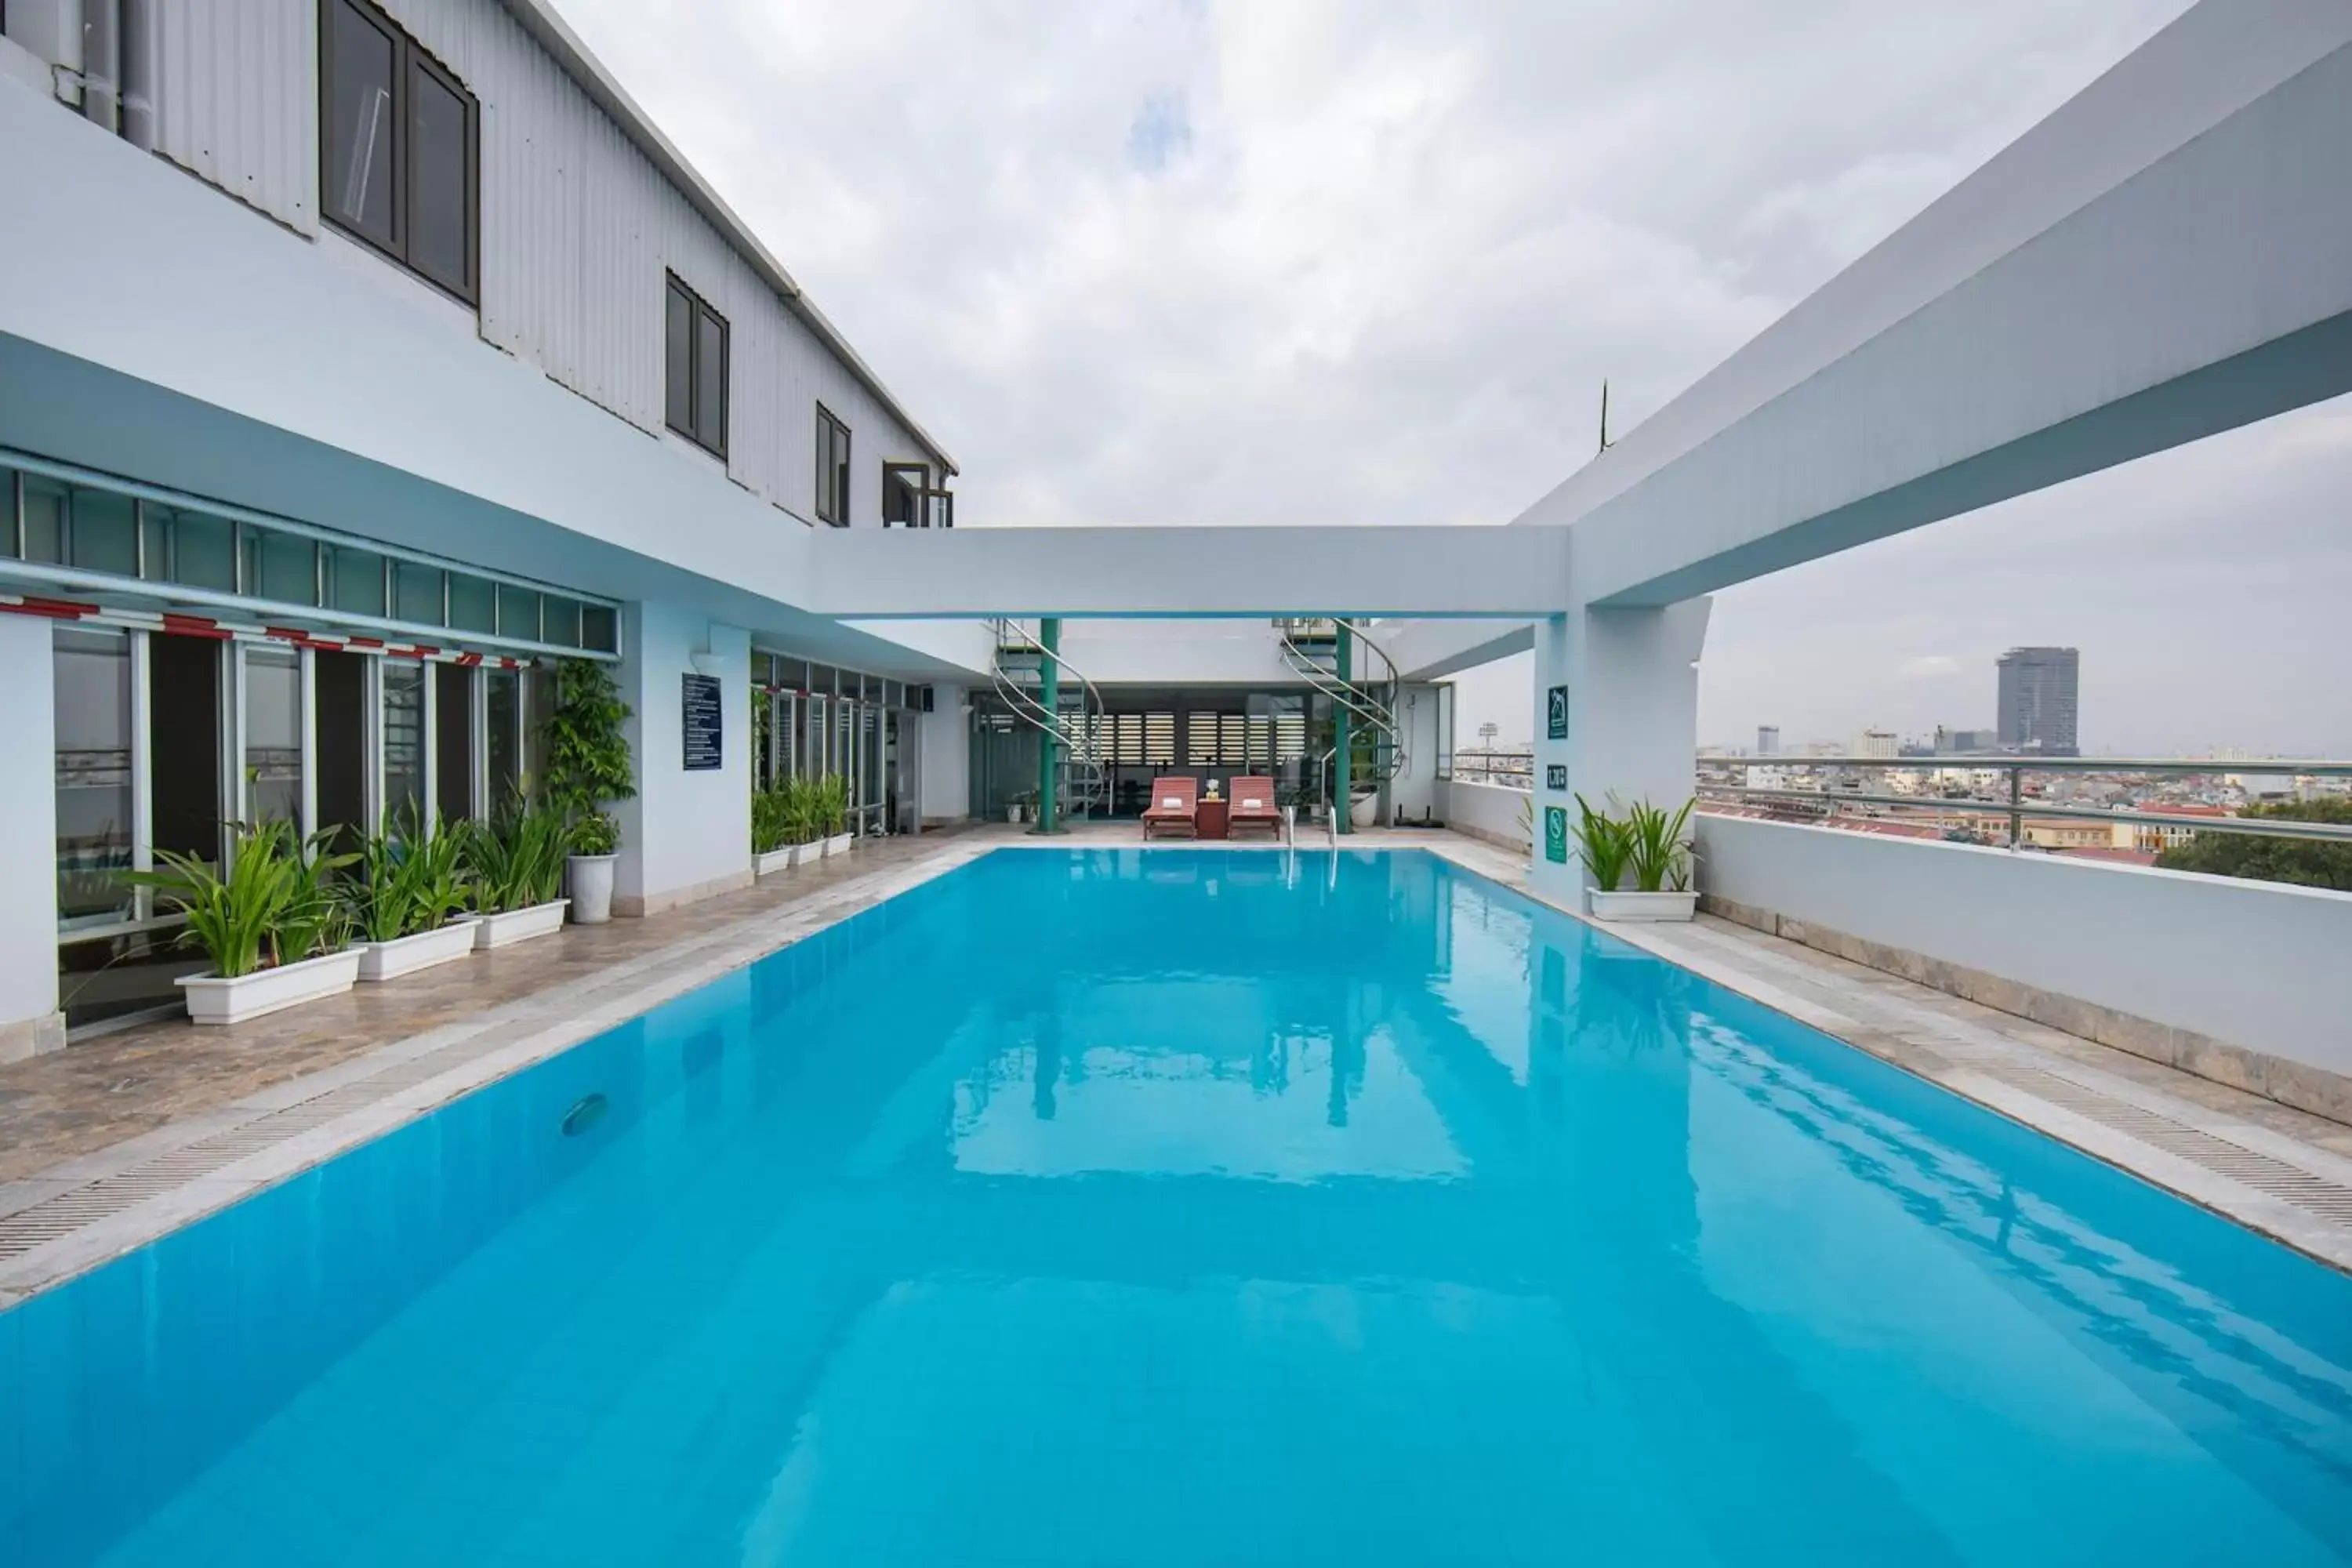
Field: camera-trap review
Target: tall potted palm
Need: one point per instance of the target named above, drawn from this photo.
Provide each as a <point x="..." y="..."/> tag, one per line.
<point x="588" y="765"/>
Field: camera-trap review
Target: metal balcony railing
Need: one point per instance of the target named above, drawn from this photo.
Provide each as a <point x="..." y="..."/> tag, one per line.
<point x="1831" y="784"/>
<point x="1834" y="788"/>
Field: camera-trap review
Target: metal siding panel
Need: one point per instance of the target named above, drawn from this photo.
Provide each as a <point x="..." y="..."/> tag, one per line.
<point x="238" y="100"/>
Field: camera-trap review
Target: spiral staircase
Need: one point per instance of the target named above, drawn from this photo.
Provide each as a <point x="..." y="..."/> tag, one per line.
<point x="1074" y="718"/>
<point x="1310" y="646"/>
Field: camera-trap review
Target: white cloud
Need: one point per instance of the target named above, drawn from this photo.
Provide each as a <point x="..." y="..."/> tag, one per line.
<point x="1192" y="262"/>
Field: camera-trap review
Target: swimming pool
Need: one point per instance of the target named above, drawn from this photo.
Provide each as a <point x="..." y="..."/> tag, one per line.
<point x="1193" y="1206"/>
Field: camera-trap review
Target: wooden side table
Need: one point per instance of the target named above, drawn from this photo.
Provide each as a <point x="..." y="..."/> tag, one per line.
<point x="1211" y="818"/>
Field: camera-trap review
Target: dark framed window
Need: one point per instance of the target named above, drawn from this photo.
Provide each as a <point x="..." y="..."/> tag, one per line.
<point x="695" y="357"/>
<point x="832" y="468"/>
<point x="399" y="148"/>
<point x="904" y="487"/>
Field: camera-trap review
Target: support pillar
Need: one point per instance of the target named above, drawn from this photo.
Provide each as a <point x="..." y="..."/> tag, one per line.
<point x="1628" y="681"/>
<point x="687" y="833"/>
<point x="1049" y="747"/>
<point x="1343" y="735"/>
<point x="31" y="1024"/>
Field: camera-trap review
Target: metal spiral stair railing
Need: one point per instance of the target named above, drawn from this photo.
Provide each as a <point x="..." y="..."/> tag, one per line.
<point x="1084" y="785"/>
<point x="1362" y="697"/>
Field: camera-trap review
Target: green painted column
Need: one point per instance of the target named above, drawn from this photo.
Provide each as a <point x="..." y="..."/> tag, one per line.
<point x="1342" y="734"/>
<point x="1049" y="747"/>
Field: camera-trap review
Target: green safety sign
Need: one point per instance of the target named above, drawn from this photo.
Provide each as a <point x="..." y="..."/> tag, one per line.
<point x="1556" y="833"/>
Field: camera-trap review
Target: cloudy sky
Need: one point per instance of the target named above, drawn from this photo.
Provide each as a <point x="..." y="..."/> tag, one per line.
<point x="1306" y="261"/>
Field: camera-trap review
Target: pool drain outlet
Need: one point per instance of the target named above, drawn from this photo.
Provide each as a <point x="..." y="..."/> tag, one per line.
<point x="583" y="1115"/>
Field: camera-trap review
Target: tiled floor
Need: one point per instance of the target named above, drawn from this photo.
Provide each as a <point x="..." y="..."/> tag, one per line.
<point x="110" y="1143"/>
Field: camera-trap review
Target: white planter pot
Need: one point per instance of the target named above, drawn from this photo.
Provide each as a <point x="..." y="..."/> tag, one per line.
<point x="212" y="1000"/>
<point x="518" y="925"/>
<point x="1644" y="906"/>
<point x="591" y="888"/>
<point x="407" y="955"/>
<point x="774" y="861"/>
<point x="803" y="854"/>
<point x="1364" y="811"/>
<point x="839" y="843"/>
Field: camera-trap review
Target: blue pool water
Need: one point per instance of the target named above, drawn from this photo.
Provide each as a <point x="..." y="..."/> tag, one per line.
<point x="1195" y="1208"/>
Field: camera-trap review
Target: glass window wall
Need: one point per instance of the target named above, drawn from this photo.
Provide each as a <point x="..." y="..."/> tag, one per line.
<point x="403" y="738"/>
<point x="91" y="672"/>
<point x="273" y="735"/>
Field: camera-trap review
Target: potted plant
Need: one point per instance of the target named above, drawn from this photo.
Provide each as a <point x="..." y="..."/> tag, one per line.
<point x="407" y="885"/>
<point x="771" y="844"/>
<point x="595" y="846"/>
<point x="588" y="764"/>
<point x="516" y="863"/>
<point x="1649" y="843"/>
<point x="275" y="930"/>
<point x="830" y="800"/>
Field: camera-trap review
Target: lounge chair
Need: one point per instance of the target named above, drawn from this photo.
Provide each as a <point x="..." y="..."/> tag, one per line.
<point x="1252" y="807"/>
<point x="1175" y="801"/>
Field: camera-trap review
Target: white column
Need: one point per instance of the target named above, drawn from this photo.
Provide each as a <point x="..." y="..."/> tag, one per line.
<point x="686" y="835"/>
<point x="1630" y="677"/>
<point x="29" y="1020"/>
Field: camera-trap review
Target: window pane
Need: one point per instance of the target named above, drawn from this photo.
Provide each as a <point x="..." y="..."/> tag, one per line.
<point x="473" y="604"/>
<point x="45" y="521"/>
<point x="504" y="692"/>
<point x="105" y="533"/>
<point x="281" y="566"/>
<point x="354" y="580"/>
<point x="155" y="543"/>
<point x="598" y="632"/>
<point x="539" y="702"/>
<point x="560" y="622"/>
<point x="518" y="612"/>
<point x="357" y="180"/>
<point x="710" y="381"/>
<point x="404" y="737"/>
<point x="91" y="672"/>
<point x="680" y="373"/>
<point x="273" y="734"/>
<point x="439" y="211"/>
<point x="204" y="552"/>
<point x="418" y="592"/>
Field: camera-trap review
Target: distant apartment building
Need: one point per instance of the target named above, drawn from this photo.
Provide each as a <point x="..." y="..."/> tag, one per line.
<point x="1767" y="740"/>
<point x="1952" y="742"/>
<point x="2037" y="700"/>
<point x="1878" y="744"/>
<point x="2159" y="836"/>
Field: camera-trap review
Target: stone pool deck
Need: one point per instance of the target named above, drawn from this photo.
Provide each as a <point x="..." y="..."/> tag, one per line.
<point x="111" y="1143"/>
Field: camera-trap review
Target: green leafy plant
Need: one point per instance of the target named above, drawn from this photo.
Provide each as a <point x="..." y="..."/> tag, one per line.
<point x="771" y="811"/>
<point x="275" y="904"/>
<point x="516" y="859"/>
<point x="1656" y="850"/>
<point x="587" y="752"/>
<point x="316" y="919"/>
<point x="595" y="834"/>
<point x="408" y="880"/>
<point x="1601" y="844"/>
<point x="831" y="801"/>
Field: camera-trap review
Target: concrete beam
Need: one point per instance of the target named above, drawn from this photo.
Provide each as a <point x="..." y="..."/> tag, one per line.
<point x="869" y="575"/>
<point x="2167" y="255"/>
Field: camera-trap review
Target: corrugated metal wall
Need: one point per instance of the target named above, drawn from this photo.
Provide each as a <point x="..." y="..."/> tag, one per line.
<point x="238" y="100"/>
<point x="578" y="226"/>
